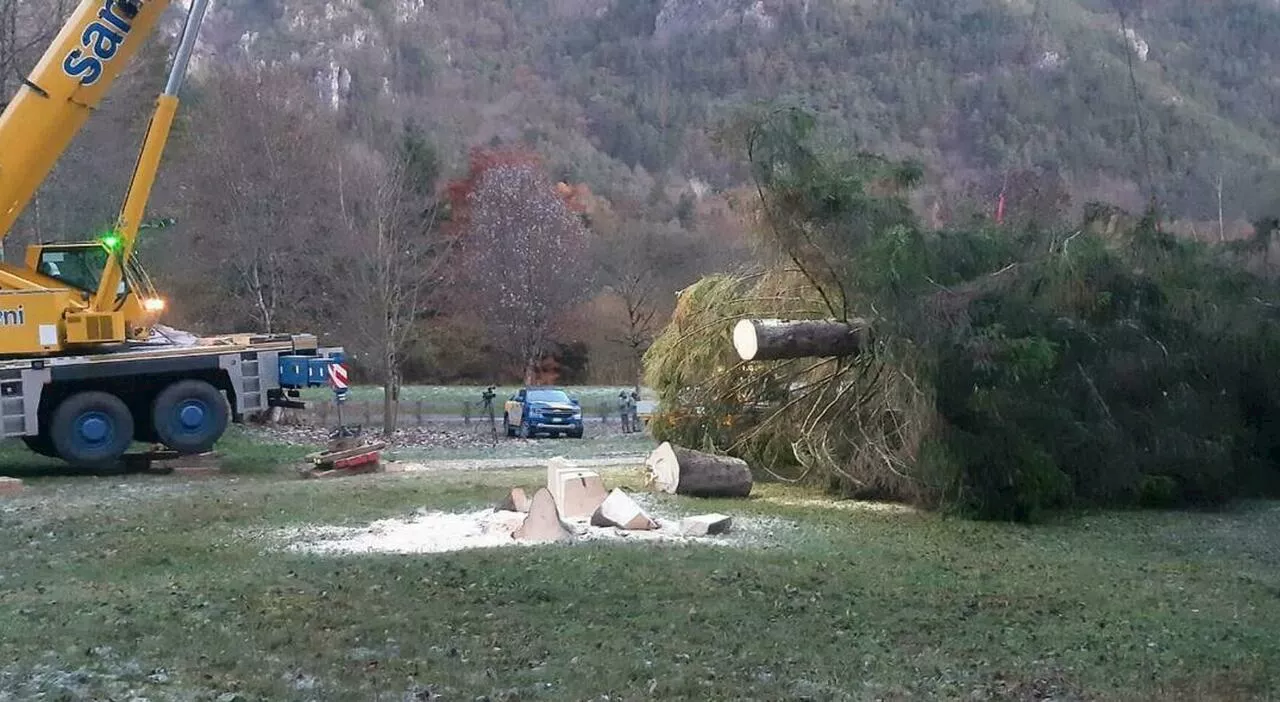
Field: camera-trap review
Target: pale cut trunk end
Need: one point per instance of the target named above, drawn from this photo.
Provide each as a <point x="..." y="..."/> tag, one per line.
<point x="682" y="471"/>
<point x="777" y="339"/>
<point x="664" y="468"/>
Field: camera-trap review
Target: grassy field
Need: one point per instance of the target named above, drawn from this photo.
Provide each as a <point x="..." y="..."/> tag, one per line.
<point x="155" y="587"/>
<point x="606" y="447"/>
<point x="451" y="400"/>
<point x="246" y="454"/>
<point x="243" y="455"/>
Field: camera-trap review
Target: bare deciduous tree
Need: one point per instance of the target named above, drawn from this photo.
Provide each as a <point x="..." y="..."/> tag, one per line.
<point x="634" y="260"/>
<point x="260" y="203"/>
<point x="396" y="254"/>
<point x="526" y="252"/>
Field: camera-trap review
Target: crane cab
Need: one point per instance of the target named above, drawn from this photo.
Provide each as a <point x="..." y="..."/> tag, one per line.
<point x="54" y="313"/>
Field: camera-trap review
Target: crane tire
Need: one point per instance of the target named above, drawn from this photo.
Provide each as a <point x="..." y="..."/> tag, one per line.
<point x="190" y="416"/>
<point x="91" y="429"/>
<point x="42" y="445"/>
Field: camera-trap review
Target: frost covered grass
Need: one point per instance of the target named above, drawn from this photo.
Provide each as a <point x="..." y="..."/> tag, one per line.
<point x="165" y="589"/>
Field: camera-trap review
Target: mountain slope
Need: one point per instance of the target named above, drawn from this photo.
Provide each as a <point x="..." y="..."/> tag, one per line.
<point x="624" y="94"/>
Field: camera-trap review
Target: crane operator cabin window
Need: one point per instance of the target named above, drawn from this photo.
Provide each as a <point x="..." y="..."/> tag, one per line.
<point x="79" y="267"/>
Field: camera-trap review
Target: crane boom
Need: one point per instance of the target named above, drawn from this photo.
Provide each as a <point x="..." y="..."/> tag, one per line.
<point x="144" y="173"/>
<point x="76" y="72"/>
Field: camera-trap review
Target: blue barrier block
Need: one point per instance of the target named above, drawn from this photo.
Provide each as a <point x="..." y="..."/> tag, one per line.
<point x="294" y="371"/>
<point x="319" y="371"/>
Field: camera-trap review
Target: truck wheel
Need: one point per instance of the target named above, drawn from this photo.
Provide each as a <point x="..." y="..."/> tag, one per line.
<point x="41" y="444"/>
<point x="190" y="416"/>
<point x="91" y="429"/>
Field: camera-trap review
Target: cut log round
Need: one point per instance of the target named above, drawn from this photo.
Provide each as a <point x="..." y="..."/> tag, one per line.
<point x="517" y="501"/>
<point x="777" y="339"/>
<point x="705" y="525"/>
<point x="681" y="471"/>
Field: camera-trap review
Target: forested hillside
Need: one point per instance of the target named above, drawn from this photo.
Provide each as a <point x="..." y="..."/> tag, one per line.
<point x="975" y="88"/>
<point x="311" y="129"/>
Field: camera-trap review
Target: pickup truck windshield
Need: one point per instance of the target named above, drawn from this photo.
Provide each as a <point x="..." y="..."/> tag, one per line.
<point x="549" y="396"/>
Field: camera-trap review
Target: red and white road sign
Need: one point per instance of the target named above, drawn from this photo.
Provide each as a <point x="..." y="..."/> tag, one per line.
<point x="338" y="376"/>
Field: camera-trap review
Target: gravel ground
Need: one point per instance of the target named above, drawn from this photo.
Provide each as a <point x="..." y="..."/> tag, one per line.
<point x="413" y="437"/>
<point x="441" y="435"/>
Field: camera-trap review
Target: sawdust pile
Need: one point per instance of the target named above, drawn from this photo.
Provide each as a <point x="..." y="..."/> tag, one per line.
<point x="442" y="532"/>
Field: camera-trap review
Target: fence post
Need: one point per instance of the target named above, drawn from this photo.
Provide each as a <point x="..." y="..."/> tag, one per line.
<point x="466" y="412"/>
<point x="419" y="414"/>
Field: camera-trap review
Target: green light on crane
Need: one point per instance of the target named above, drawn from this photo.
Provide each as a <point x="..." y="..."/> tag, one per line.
<point x="111" y="241"/>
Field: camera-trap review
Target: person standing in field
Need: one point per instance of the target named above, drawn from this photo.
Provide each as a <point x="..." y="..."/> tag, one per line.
<point x="634" y="403"/>
<point x="624" y="405"/>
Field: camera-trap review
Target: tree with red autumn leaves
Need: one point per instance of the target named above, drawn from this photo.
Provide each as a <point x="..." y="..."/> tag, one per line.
<point x="524" y="249"/>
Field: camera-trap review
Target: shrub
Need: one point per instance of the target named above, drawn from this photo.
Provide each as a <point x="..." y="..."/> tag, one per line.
<point x="1016" y="371"/>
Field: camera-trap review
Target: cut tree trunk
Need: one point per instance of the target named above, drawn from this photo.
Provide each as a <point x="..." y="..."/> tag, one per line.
<point x="777" y="339"/>
<point x="619" y="510"/>
<point x="682" y="471"/>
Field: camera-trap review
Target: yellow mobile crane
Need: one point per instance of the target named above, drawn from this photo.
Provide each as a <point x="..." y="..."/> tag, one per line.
<point x="82" y="371"/>
<point x="72" y="295"/>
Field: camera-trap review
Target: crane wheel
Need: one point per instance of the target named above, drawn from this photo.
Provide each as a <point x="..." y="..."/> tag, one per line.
<point x="42" y="445"/>
<point x="91" y="429"/>
<point x="190" y="416"/>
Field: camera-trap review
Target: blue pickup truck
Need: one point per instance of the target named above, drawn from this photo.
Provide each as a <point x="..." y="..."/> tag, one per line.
<point x="537" y="410"/>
